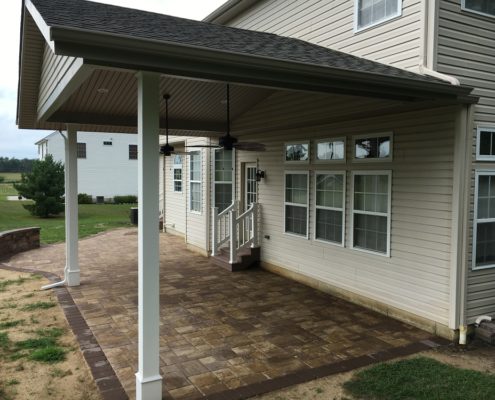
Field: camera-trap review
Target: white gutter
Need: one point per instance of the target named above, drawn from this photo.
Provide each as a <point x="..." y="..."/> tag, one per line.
<point x="429" y="15"/>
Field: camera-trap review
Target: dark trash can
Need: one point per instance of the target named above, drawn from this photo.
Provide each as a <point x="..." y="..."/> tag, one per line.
<point x="134" y="215"/>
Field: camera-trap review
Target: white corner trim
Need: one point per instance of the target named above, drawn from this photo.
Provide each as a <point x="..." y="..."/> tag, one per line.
<point x="45" y="30"/>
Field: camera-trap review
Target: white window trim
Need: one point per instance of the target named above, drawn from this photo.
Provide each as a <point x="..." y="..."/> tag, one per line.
<point x="358" y="29"/>
<point x="174" y="167"/>
<point x="195" y="181"/>
<point x="388" y="214"/>
<point x="479" y="173"/>
<point x="370" y="136"/>
<point x="480" y="157"/>
<point x="214" y="181"/>
<point x="297" y="204"/>
<point x="337" y="139"/>
<point x="344" y="175"/>
<point x="298" y="162"/>
<point x="470" y="10"/>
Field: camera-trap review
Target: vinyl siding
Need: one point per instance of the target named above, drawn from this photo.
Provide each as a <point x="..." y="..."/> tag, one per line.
<point x="54" y="69"/>
<point x="330" y="23"/>
<point x="175" y="202"/>
<point x="466" y="50"/>
<point x="416" y="277"/>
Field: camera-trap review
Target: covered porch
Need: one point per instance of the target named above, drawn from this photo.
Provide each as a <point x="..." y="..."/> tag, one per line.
<point x="222" y="335"/>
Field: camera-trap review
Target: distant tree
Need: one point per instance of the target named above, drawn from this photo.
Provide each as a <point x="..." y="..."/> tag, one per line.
<point x="16" y="165"/>
<point x="44" y="185"/>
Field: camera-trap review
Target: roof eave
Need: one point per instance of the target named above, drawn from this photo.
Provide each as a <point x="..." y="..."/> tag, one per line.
<point x="172" y="58"/>
<point x="229" y="10"/>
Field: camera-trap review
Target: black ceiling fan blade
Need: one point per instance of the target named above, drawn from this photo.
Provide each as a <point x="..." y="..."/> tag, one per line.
<point x="248" y="146"/>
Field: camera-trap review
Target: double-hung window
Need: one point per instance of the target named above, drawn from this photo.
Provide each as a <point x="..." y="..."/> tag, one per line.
<point x="373" y="12"/>
<point x="223" y="178"/>
<point x="483" y="7"/>
<point x="485" y="144"/>
<point x="329" y="204"/>
<point x="484" y="220"/>
<point x="195" y="181"/>
<point x="371" y="211"/>
<point x="177" y="173"/>
<point x="296" y="202"/>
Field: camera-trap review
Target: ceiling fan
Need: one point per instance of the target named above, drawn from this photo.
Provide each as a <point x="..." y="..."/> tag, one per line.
<point x="167" y="149"/>
<point x="228" y="142"/>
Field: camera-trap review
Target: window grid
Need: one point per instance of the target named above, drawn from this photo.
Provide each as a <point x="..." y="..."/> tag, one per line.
<point x="329" y="219"/>
<point x="296" y="205"/>
<point x="81" y="150"/>
<point x="485" y="144"/>
<point x="371" y="200"/>
<point x="195" y="182"/>
<point x="330" y="150"/>
<point x="251" y="186"/>
<point x="369" y="13"/>
<point x="376" y="147"/>
<point x="482" y="7"/>
<point x="484" y="221"/>
<point x="223" y="175"/>
<point x="177" y="173"/>
<point x="133" y="152"/>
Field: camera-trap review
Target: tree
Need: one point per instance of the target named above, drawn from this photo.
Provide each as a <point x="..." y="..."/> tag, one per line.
<point x="44" y="185"/>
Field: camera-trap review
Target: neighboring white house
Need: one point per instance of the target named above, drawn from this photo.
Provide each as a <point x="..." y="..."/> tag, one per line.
<point x="107" y="162"/>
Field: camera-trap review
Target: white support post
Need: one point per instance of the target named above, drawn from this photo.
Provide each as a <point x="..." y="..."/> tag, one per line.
<point x="255" y="226"/>
<point x="214" y="231"/>
<point x="148" y="379"/>
<point x="71" y="209"/>
<point x="233" y="236"/>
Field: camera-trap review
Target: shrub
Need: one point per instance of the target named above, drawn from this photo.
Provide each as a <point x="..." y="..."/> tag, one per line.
<point x="130" y="199"/>
<point x="84" y="198"/>
<point x="2" y="179"/>
<point x="44" y="185"/>
<point x="50" y="354"/>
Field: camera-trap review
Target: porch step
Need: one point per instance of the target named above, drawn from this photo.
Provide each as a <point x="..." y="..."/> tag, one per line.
<point x="247" y="258"/>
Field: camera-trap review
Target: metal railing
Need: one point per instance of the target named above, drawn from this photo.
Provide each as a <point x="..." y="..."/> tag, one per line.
<point x="239" y="230"/>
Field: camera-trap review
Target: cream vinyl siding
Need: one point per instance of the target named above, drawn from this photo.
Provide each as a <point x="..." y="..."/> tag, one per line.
<point x="175" y="202"/>
<point x="466" y="50"/>
<point x="53" y="70"/>
<point x="330" y="23"/>
<point x="416" y="277"/>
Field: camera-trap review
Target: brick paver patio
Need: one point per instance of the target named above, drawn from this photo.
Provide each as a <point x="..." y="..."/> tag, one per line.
<point x="219" y="330"/>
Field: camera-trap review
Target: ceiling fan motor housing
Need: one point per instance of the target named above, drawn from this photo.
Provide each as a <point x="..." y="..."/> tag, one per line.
<point x="227" y="142"/>
<point x="166" y="149"/>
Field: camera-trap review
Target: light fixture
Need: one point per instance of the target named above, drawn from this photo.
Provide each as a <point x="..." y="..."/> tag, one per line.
<point x="260" y="175"/>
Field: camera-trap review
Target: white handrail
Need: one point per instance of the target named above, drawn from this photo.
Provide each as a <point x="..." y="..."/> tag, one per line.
<point x="221" y="226"/>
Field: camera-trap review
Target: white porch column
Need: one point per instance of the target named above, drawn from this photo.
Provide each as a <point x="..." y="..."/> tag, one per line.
<point x="71" y="209"/>
<point x="148" y="379"/>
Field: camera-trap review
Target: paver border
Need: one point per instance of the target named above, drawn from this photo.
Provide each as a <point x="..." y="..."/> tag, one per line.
<point x="104" y="375"/>
<point x="111" y="389"/>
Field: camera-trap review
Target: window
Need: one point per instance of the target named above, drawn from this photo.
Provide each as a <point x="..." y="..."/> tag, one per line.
<point x="330" y="150"/>
<point x="484" y="221"/>
<point x="296" y="203"/>
<point x="195" y="181"/>
<point x="177" y="173"/>
<point x="81" y="150"/>
<point x="484" y="7"/>
<point x="223" y="179"/>
<point x="133" y="152"/>
<point x="297" y="152"/>
<point x="371" y="211"/>
<point x="330" y="199"/>
<point x="372" y="12"/>
<point x="373" y="147"/>
<point x="485" y="144"/>
<point x="107" y="143"/>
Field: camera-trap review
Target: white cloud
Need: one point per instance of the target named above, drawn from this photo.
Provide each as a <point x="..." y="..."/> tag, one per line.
<point x="20" y="143"/>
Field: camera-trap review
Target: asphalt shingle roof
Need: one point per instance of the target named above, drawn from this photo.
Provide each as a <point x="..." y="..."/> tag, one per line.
<point x="97" y="17"/>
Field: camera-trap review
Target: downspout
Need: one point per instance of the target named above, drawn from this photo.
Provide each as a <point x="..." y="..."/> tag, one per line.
<point x="207" y="187"/>
<point x="66" y="268"/>
<point x="164" y="189"/>
<point x="428" y="42"/>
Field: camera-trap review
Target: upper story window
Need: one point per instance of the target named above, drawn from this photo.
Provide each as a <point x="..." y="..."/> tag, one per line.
<point x="133" y="152"/>
<point x="373" y="12"/>
<point x="485" y="144"/>
<point x="484" y="7"/>
<point x="81" y="150"/>
<point x="297" y="152"/>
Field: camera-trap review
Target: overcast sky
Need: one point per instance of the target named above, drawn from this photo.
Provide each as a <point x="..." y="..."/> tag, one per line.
<point x="20" y="143"/>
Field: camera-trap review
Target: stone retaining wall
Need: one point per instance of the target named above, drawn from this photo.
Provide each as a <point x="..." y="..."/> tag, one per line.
<point x="18" y="240"/>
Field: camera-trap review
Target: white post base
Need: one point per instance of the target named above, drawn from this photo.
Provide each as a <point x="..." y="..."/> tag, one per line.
<point x="73" y="277"/>
<point x="148" y="388"/>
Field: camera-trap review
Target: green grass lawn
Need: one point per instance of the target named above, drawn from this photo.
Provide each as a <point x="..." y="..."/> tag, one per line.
<point x="93" y="218"/>
<point x="420" y="379"/>
<point x="11" y="176"/>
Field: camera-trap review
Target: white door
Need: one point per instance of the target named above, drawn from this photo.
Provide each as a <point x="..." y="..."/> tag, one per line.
<point x="250" y="185"/>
